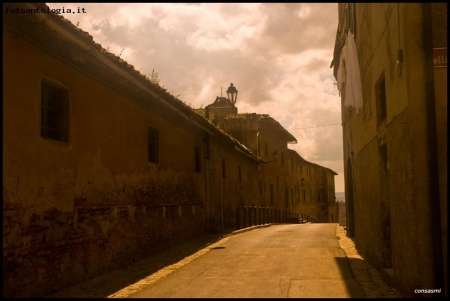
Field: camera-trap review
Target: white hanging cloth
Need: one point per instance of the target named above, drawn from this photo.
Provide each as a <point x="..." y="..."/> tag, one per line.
<point x="341" y="71"/>
<point x="349" y="73"/>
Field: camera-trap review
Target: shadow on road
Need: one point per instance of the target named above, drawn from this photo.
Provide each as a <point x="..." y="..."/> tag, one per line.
<point x="345" y="264"/>
<point x="103" y="285"/>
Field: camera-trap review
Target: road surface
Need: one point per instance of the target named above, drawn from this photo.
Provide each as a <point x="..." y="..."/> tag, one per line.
<point x="280" y="261"/>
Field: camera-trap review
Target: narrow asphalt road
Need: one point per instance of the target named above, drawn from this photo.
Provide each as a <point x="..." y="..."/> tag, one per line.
<point x="281" y="261"/>
<point x="287" y="260"/>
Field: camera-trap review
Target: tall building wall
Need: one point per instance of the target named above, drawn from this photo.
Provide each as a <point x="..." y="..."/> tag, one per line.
<point x="389" y="149"/>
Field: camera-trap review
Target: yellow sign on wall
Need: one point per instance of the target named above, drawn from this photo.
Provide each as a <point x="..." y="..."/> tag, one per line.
<point x="440" y="57"/>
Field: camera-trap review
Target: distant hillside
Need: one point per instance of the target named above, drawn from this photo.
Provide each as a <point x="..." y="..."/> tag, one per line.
<point x="340" y="196"/>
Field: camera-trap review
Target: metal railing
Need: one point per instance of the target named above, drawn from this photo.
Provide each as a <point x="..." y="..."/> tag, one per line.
<point x="247" y="216"/>
<point x="308" y="218"/>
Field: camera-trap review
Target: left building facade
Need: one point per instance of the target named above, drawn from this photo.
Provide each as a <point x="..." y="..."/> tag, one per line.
<point x="100" y="165"/>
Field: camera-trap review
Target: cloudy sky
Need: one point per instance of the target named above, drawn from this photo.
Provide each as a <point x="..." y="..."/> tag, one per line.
<point x="276" y="54"/>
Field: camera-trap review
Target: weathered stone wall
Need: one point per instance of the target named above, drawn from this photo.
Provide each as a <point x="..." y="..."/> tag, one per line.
<point x="56" y="248"/>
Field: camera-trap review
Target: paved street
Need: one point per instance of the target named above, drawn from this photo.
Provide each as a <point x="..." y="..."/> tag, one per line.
<point x="289" y="260"/>
<point x="278" y="261"/>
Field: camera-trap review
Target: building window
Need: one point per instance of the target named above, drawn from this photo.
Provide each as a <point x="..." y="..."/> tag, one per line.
<point x="153" y="145"/>
<point x="292" y="197"/>
<point x="198" y="161"/>
<point x="271" y="194"/>
<point x="286" y="198"/>
<point x="54" y="112"/>
<point x="239" y="174"/>
<point x="224" y="174"/>
<point x="380" y="97"/>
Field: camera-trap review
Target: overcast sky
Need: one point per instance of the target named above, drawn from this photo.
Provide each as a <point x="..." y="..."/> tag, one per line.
<point x="277" y="55"/>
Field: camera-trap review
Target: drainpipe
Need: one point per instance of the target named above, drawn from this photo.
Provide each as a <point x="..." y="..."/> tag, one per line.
<point x="432" y="148"/>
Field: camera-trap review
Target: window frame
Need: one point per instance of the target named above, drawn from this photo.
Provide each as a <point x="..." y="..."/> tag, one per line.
<point x="381" y="99"/>
<point x="197" y="158"/>
<point x="271" y="195"/>
<point x="153" y="152"/>
<point x="60" y="106"/>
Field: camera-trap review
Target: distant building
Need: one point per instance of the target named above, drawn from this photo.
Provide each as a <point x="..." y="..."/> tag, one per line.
<point x="288" y="182"/>
<point x="390" y="63"/>
<point x="340" y="196"/>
